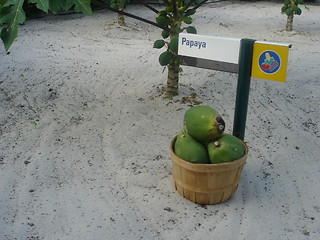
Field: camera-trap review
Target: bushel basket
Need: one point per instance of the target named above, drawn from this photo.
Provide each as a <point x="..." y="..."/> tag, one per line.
<point x="206" y="183"/>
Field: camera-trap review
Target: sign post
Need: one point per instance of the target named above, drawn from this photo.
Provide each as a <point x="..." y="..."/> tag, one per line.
<point x="247" y="57"/>
<point x="243" y="87"/>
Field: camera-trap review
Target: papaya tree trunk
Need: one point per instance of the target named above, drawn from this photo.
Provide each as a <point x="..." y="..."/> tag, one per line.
<point x="289" y="23"/>
<point x="173" y="78"/>
<point x="121" y="21"/>
<point x="174" y="65"/>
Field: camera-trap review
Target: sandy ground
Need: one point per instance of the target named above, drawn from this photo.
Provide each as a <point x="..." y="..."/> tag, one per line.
<point x="85" y="131"/>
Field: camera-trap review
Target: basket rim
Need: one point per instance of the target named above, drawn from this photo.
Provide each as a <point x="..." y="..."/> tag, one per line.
<point x="207" y="167"/>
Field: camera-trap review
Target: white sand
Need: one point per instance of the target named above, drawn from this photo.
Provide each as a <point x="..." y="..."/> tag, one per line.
<point x="96" y="166"/>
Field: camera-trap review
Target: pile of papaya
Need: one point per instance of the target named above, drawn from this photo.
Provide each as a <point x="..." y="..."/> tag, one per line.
<point x="202" y="139"/>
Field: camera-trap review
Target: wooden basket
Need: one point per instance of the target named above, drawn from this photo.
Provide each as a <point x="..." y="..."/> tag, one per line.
<point x="206" y="183"/>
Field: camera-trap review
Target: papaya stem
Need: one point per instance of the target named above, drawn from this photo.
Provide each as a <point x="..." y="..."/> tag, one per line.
<point x="289" y="23"/>
<point x="173" y="78"/>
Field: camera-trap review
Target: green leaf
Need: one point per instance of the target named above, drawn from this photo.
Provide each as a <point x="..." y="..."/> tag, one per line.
<point x="8" y="35"/>
<point x="82" y="6"/>
<point x="58" y="6"/>
<point x="165" y="34"/>
<point x="41" y="4"/>
<point x="163" y="21"/>
<point x="300" y="2"/>
<point x="122" y="2"/>
<point x="4" y="4"/>
<point x="14" y="14"/>
<point x="162" y="13"/>
<point x="190" y="12"/>
<point x="187" y="20"/>
<point x="158" y="43"/>
<point x="114" y="5"/>
<point x="192" y="30"/>
<point x="165" y="58"/>
<point x="173" y="44"/>
<point x="168" y="9"/>
<point x="289" y="11"/>
<point x="11" y="16"/>
<point x="287" y="2"/>
<point x="297" y="10"/>
<point x="283" y="9"/>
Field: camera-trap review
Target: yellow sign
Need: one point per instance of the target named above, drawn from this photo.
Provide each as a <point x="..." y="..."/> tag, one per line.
<point x="270" y="61"/>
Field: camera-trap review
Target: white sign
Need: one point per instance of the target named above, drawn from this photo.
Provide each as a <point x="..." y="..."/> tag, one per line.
<point x="209" y="47"/>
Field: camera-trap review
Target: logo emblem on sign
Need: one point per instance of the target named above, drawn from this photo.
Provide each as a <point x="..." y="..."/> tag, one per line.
<point x="269" y="62"/>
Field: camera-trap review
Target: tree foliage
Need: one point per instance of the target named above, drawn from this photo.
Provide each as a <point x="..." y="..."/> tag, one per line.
<point x="175" y="18"/>
<point x="171" y="18"/>
<point x="291" y="8"/>
<point x="12" y="14"/>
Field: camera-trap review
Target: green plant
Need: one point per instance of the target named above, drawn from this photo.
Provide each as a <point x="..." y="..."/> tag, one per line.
<point x="291" y="8"/>
<point x="172" y="17"/>
<point x="119" y="5"/>
<point x="35" y="122"/>
<point x="12" y="14"/>
<point x="170" y="20"/>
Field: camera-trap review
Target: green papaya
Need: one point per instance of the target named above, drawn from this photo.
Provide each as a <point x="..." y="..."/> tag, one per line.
<point x="203" y="123"/>
<point x="225" y="149"/>
<point x="189" y="149"/>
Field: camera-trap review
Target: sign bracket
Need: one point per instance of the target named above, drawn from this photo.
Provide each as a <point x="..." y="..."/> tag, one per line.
<point x="209" y="64"/>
